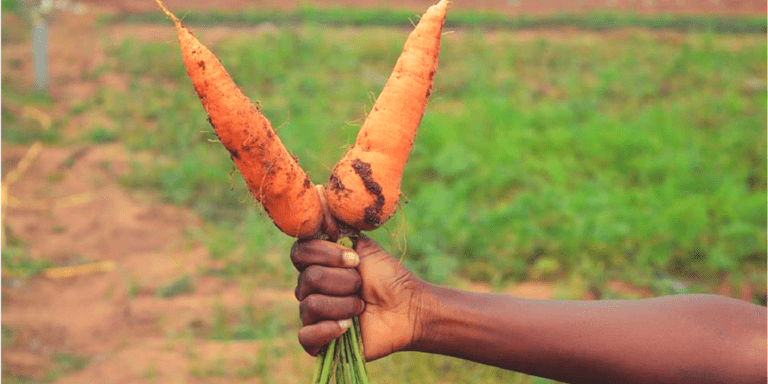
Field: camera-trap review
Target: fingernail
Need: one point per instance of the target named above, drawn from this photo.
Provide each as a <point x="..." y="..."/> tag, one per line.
<point x="345" y="324"/>
<point x="351" y="259"/>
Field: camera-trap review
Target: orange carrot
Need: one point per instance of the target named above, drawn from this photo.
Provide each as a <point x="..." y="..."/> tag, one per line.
<point x="364" y="187"/>
<point x="273" y="176"/>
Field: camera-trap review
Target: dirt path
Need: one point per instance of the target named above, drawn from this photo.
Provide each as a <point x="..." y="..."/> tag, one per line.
<point x="515" y="7"/>
<point x="71" y="211"/>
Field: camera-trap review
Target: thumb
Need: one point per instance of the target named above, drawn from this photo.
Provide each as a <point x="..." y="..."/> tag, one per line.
<point x="365" y="247"/>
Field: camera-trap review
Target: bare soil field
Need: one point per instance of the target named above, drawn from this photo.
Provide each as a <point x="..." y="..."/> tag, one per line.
<point x="515" y="7"/>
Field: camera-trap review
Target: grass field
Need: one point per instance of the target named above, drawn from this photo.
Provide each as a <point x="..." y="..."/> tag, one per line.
<point x="633" y="156"/>
<point x="575" y="158"/>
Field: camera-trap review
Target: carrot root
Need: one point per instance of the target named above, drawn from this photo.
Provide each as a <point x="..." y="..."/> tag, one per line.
<point x="272" y="175"/>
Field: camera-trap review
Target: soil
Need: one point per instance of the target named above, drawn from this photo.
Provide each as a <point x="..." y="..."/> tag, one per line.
<point x="69" y="209"/>
<point x="514" y="7"/>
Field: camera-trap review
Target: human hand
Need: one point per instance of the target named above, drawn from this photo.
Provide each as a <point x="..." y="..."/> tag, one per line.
<point x="335" y="285"/>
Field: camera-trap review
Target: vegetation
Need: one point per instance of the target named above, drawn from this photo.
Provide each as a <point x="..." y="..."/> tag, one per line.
<point x="634" y="156"/>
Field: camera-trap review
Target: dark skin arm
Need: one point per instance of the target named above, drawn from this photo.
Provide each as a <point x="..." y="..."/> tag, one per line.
<point x="682" y="338"/>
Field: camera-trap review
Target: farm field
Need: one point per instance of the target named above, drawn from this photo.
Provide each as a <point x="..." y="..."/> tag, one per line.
<point x="567" y="162"/>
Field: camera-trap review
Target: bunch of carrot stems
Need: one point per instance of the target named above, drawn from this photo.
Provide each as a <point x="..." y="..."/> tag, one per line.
<point x="343" y="359"/>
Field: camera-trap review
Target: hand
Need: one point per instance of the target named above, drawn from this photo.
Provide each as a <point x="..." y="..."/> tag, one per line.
<point x="374" y="286"/>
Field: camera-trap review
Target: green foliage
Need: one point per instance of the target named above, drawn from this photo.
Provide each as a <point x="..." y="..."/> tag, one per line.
<point x="637" y="152"/>
<point x="180" y="286"/>
<point x="644" y="152"/>
<point x="17" y="263"/>
<point x="10" y="5"/>
<point x="21" y="129"/>
<point x="100" y="135"/>
<point x="429" y="368"/>
<point x="65" y="363"/>
<point x="8" y="336"/>
<point x="249" y="324"/>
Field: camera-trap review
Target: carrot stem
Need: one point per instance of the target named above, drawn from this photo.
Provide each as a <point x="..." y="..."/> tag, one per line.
<point x="326" y="368"/>
<point x="343" y="358"/>
<point x="356" y="343"/>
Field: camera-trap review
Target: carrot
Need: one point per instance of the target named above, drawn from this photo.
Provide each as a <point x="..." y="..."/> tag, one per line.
<point x="273" y="176"/>
<point x="364" y="187"/>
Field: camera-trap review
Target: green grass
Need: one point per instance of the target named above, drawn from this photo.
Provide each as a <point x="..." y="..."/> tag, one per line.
<point x="180" y="286"/>
<point x="250" y="323"/>
<point x="640" y="153"/>
<point x="16" y="262"/>
<point x="414" y="367"/>
<point x="62" y="364"/>
<point x="20" y="128"/>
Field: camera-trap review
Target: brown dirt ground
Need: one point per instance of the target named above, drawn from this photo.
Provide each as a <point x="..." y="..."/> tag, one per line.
<point x="72" y="210"/>
<point x="521" y="7"/>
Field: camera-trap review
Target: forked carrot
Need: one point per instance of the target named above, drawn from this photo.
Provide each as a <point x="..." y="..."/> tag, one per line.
<point x="273" y="176"/>
<point x="364" y="187"/>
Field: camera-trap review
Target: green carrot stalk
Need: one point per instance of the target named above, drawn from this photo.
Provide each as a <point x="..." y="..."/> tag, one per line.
<point x="343" y="358"/>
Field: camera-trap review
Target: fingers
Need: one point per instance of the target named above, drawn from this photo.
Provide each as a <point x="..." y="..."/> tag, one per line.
<point x="315" y="336"/>
<point x="327" y="281"/>
<point x="316" y="307"/>
<point x="320" y="252"/>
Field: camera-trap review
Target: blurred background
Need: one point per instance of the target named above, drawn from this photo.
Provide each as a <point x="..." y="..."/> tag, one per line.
<point x="594" y="149"/>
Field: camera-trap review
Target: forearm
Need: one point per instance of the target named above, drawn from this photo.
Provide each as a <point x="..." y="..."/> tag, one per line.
<point x="655" y="340"/>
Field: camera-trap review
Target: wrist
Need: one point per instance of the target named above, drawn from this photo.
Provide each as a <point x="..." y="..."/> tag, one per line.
<point x="431" y="315"/>
<point x="456" y="323"/>
<point x="417" y="311"/>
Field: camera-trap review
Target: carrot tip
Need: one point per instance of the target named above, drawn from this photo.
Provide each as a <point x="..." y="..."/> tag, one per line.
<point x="170" y="14"/>
<point x="441" y="4"/>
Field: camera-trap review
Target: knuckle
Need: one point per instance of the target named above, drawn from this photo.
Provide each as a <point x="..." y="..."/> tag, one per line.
<point x="295" y="250"/>
<point x="295" y="257"/>
<point x="356" y="279"/>
<point x="302" y="252"/>
<point x="360" y="304"/>
<point x="297" y="291"/>
<point x="309" y="309"/>
<point x="313" y="276"/>
<point x="303" y="312"/>
<point x="313" y="302"/>
<point x="306" y="342"/>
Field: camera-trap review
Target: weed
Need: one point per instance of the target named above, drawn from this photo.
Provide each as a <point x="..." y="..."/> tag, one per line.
<point x="101" y="135"/>
<point x="65" y="363"/>
<point x="151" y="373"/>
<point x="180" y="286"/>
<point x="8" y="334"/>
<point x="17" y="263"/>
